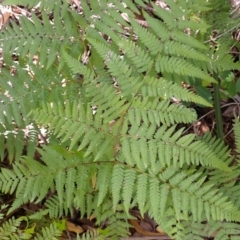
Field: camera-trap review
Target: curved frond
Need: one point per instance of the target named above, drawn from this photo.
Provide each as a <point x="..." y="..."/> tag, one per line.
<point x="104" y="80"/>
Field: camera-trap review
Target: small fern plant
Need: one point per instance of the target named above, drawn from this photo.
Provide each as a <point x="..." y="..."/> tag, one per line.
<point x="10" y="229"/>
<point x="107" y="88"/>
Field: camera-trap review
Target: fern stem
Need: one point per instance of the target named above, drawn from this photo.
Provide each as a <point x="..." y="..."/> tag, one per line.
<point x="217" y="108"/>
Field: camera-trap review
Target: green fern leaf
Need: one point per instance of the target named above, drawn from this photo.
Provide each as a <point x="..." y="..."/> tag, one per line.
<point x="154" y="190"/>
<point x="116" y="184"/>
<point x="164" y="192"/>
<point x="128" y="186"/>
<point x="51" y="232"/>
<point x="181" y="67"/>
<point x="142" y="186"/>
<point x="104" y="178"/>
<point x="70" y="185"/>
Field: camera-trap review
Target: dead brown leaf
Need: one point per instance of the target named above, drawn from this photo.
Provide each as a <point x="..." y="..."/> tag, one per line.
<point x="73" y="227"/>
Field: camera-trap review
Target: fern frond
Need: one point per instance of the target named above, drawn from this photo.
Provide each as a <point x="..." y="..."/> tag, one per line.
<point x="139" y="58"/>
<point x="103" y="184"/>
<point x="36" y="34"/>
<point x="128" y="185"/>
<point x="92" y="235"/>
<point x="102" y="87"/>
<point x="154" y="190"/>
<point x="9" y="229"/>
<point x="172" y="149"/>
<point x="221" y="230"/>
<point x="190" y="189"/>
<point x="76" y="67"/>
<point x="116" y="184"/>
<point x="51" y="232"/>
<point x="181" y="67"/>
<point x="113" y="61"/>
<point x="169" y="47"/>
<point x="162" y="88"/>
<point x="159" y="112"/>
<point x="162" y="31"/>
<point x="20" y="99"/>
<point x="179" y="49"/>
<point x="39" y="214"/>
<point x="149" y="39"/>
<point x="117" y="221"/>
<point x="81" y="121"/>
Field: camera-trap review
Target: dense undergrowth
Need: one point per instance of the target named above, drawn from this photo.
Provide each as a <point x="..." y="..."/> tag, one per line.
<point x="93" y="113"/>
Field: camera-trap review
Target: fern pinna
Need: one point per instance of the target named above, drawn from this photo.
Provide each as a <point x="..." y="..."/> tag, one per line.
<point x="107" y="89"/>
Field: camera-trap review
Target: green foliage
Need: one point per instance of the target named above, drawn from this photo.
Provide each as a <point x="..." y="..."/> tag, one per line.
<point x="114" y="117"/>
<point x="221" y="38"/>
<point x="92" y="235"/>
<point x="10" y="230"/>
